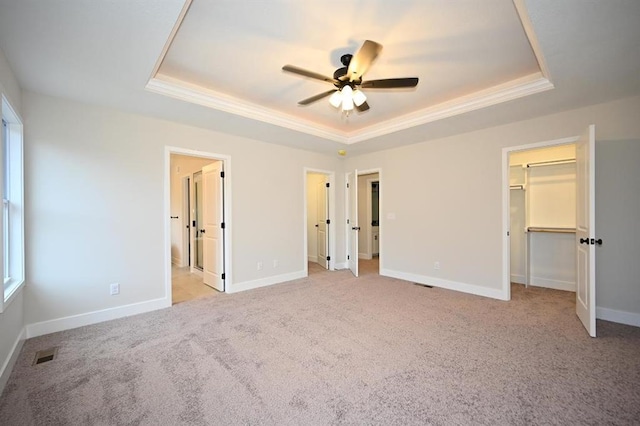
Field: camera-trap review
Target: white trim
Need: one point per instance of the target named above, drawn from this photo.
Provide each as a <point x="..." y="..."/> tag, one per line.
<point x="10" y="362"/>
<point x="80" y="320"/>
<point x="518" y="279"/>
<point x="518" y="88"/>
<point x="505" y="92"/>
<point x="226" y="161"/>
<point x="527" y="25"/>
<point x="264" y="282"/>
<point x="620" y="317"/>
<point x="172" y="35"/>
<point x="506" y="196"/>
<point x="492" y="293"/>
<point x="206" y="97"/>
<point x="553" y="284"/>
<point x="313" y="259"/>
<point x="364" y="256"/>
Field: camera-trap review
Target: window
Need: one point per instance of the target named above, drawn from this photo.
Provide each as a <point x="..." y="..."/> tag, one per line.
<point x="12" y="204"/>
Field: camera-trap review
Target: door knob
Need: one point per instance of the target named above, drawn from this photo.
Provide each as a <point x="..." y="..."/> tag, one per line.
<point x="202" y="231"/>
<point x="356" y="228"/>
<point x="598" y="241"/>
<point x="584" y="241"/>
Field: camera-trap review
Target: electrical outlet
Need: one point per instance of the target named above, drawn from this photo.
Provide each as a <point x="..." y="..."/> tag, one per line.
<point x="114" y="289"/>
<point x="436" y="265"/>
<point x="275" y="263"/>
<point x="259" y="266"/>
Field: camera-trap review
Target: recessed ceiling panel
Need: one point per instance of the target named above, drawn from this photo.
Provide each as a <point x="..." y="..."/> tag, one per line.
<point x="232" y="53"/>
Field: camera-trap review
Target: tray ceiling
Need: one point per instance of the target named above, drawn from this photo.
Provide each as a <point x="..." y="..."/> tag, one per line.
<point x="468" y="55"/>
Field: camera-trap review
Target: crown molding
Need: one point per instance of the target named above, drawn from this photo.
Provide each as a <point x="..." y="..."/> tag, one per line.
<point x="187" y="92"/>
<point x="511" y="90"/>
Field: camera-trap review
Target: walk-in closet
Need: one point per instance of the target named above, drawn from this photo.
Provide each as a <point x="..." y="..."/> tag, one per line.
<point x="543" y="217"/>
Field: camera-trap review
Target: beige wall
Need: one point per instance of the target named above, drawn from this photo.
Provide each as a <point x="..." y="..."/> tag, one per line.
<point x="12" y="319"/>
<point x="455" y="214"/>
<point x="92" y="168"/>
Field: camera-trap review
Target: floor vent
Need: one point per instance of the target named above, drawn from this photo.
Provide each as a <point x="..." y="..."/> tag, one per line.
<point x="45" y="356"/>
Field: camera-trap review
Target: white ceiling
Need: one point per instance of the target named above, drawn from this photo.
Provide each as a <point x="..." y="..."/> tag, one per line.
<point x="480" y="63"/>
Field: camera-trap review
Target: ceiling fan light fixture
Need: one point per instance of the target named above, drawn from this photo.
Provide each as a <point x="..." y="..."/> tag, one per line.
<point x="336" y="99"/>
<point x="347" y="98"/>
<point x="359" y="97"/>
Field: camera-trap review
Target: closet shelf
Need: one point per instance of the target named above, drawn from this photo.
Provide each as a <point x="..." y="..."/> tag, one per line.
<point x="552" y="230"/>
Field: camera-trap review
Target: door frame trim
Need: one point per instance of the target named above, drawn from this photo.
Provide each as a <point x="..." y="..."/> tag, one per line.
<point x="506" y="199"/>
<point x="331" y="175"/>
<point x="359" y="173"/>
<point x="226" y="161"/>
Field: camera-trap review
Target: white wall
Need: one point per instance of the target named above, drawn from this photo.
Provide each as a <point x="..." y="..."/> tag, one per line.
<point x="12" y="319"/>
<point x="181" y="167"/>
<point x="90" y="170"/>
<point x="456" y="215"/>
<point x="313" y="180"/>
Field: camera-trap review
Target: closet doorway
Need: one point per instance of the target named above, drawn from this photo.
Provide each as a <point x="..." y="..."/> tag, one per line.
<point x="549" y="219"/>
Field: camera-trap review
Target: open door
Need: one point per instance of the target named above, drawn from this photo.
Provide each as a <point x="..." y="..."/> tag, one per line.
<point x="585" y="231"/>
<point x="352" y="220"/>
<point x="323" y="225"/>
<point x="212" y="217"/>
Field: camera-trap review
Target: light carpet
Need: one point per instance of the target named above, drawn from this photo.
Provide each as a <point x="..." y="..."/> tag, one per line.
<point x="331" y="349"/>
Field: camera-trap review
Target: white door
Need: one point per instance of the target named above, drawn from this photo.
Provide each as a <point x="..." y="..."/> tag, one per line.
<point x="352" y="220"/>
<point x="323" y="215"/>
<point x="585" y="231"/>
<point x="212" y="217"/>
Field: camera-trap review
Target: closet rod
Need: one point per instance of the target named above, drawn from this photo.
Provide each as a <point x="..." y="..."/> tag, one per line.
<point x="549" y="163"/>
<point x="516" y="186"/>
<point x="552" y="230"/>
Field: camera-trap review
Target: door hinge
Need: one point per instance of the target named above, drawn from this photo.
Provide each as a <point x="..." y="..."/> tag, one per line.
<point x="347" y="185"/>
<point x="348" y="257"/>
<point x="327" y="184"/>
<point x="347" y="221"/>
<point x="222" y="225"/>
<point x="507" y="233"/>
<point x="328" y="221"/>
<point x="223" y="276"/>
<point x="222" y="174"/>
<point x="328" y="258"/>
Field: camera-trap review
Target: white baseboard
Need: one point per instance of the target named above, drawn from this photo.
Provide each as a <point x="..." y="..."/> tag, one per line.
<point x="364" y="256"/>
<point x="493" y="293"/>
<point x="342" y="265"/>
<point x="621" y="317"/>
<point x="313" y="259"/>
<point x="518" y="279"/>
<point x="554" y="284"/>
<point x="263" y="282"/>
<point x="7" y="367"/>
<point x="80" y="320"/>
<point x="177" y="262"/>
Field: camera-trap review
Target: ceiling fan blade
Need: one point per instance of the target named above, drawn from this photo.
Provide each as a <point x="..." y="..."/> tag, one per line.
<point x="316" y="97"/>
<point x="295" y="70"/>
<point x="363" y="107"/>
<point x="390" y="83"/>
<point x="362" y="59"/>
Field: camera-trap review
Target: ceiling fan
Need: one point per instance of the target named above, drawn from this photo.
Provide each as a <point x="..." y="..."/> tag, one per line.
<point x="348" y="79"/>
